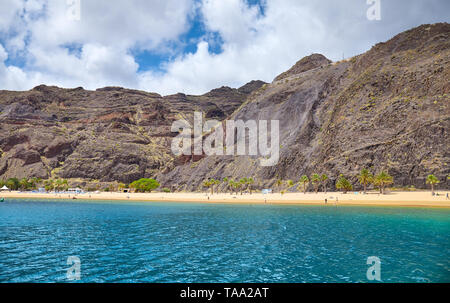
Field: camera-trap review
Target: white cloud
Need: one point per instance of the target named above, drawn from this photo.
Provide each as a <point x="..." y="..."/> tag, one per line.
<point x="10" y="76"/>
<point x="255" y="46"/>
<point x="9" y="11"/>
<point x="96" y="66"/>
<point x="262" y="46"/>
<point x="3" y="54"/>
<point x="236" y="22"/>
<point x="112" y="23"/>
<point x="96" y="51"/>
<point x="102" y="38"/>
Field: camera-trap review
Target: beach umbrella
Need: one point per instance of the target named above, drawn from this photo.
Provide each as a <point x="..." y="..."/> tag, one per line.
<point x="4" y="188"/>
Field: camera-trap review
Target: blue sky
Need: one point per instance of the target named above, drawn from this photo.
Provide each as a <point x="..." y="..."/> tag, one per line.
<point x="188" y="46"/>
<point x="196" y="31"/>
<point x="187" y="43"/>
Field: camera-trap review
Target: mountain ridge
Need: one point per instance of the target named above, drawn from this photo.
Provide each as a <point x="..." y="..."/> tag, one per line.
<point x="381" y="110"/>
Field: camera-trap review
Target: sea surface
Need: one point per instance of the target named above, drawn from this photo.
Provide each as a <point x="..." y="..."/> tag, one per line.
<point x="186" y="242"/>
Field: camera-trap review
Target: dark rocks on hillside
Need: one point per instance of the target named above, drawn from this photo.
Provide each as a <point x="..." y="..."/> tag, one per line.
<point x="251" y="86"/>
<point x="215" y="113"/>
<point x="109" y="134"/>
<point x="387" y="109"/>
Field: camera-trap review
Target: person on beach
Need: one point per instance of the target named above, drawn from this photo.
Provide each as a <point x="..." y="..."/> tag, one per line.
<point x="326" y="201"/>
<point x="446" y="197"/>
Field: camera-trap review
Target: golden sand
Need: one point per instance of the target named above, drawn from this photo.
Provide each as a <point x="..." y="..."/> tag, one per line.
<point x="412" y="199"/>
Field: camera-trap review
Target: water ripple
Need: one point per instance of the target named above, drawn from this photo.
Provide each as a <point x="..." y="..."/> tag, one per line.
<point x="151" y="242"/>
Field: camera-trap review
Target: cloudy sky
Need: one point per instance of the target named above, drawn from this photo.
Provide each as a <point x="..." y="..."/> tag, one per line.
<point x="189" y="46"/>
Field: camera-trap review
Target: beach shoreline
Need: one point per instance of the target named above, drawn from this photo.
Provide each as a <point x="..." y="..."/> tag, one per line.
<point x="401" y="199"/>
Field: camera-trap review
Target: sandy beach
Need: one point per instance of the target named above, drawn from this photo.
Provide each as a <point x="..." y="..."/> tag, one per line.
<point x="411" y="199"/>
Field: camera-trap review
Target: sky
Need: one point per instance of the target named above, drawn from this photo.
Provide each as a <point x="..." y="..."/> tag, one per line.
<point x="189" y="46"/>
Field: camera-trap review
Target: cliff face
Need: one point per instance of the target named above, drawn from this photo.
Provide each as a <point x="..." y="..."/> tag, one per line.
<point x="108" y="134"/>
<point x="387" y="109"/>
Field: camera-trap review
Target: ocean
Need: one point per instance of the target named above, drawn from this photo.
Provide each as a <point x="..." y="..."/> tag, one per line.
<point x="189" y="242"/>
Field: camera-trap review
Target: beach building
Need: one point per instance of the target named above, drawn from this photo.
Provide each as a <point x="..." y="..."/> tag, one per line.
<point x="75" y="190"/>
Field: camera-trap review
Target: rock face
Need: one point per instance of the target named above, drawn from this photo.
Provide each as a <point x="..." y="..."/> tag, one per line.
<point x="305" y="64"/>
<point x="387" y="109"/>
<point x="108" y="134"/>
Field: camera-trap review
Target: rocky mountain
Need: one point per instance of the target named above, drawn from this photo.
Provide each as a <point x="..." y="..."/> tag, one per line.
<point x="386" y="109"/>
<point x="111" y="134"/>
<point x="304" y="65"/>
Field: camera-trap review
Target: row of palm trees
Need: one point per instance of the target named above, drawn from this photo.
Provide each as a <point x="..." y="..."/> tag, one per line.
<point x="365" y="178"/>
<point x="56" y="184"/>
<point x="21" y="184"/>
<point x="315" y="180"/>
<point x="33" y="183"/>
<point x="233" y="186"/>
<point x="382" y="180"/>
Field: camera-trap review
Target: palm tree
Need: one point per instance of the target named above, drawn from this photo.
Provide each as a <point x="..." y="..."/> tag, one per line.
<point x="315" y="180"/>
<point x="226" y="180"/>
<point x="58" y="184"/>
<point x="324" y="179"/>
<point x="238" y="186"/>
<point x="382" y="180"/>
<point x="24" y="184"/>
<point x="61" y="184"/>
<point x="231" y="185"/>
<point x="365" y="177"/>
<point x="343" y="184"/>
<point x="34" y="182"/>
<point x="250" y="182"/>
<point x="432" y="180"/>
<point x="243" y="184"/>
<point x="49" y="185"/>
<point x="304" y="181"/>
<point x="13" y="184"/>
<point x="243" y="181"/>
<point x="235" y="186"/>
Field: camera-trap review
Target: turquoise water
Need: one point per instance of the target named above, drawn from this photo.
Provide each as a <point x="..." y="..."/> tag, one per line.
<point x="156" y="242"/>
